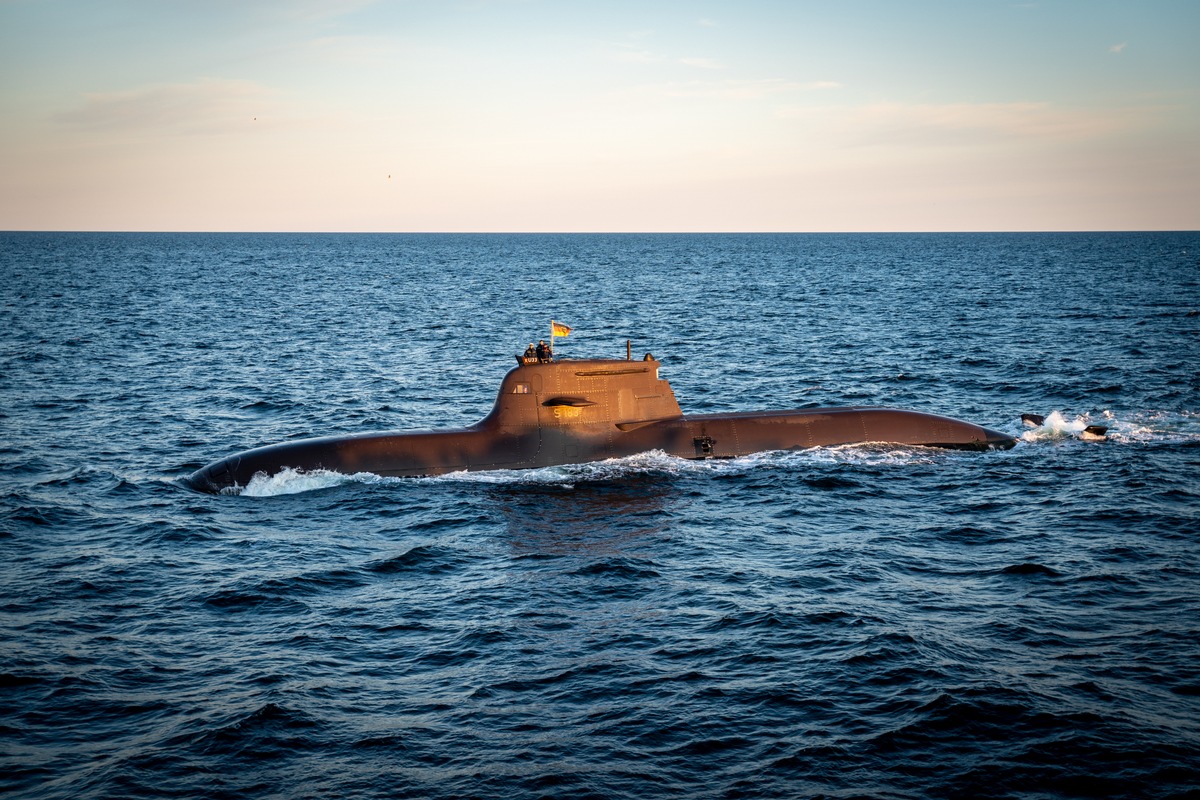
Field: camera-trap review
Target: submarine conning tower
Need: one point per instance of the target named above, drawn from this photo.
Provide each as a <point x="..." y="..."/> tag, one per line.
<point x="582" y="392"/>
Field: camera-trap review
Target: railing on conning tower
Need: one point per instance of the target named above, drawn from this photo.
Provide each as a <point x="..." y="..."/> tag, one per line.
<point x="526" y="359"/>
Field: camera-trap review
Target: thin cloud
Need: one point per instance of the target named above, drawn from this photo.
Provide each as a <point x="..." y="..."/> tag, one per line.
<point x="317" y="10"/>
<point x="356" y="49"/>
<point x="204" y="106"/>
<point x="963" y="124"/>
<point x="628" y="54"/>
<point x="705" y="22"/>
<point x="702" y="63"/>
<point x="737" y="89"/>
<point x="1118" y="48"/>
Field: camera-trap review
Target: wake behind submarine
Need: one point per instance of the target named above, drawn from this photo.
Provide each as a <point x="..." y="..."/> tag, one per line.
<point x="567" y="411"/>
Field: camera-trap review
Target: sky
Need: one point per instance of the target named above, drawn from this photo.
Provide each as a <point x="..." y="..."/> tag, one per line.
<point x="608" y="115"/>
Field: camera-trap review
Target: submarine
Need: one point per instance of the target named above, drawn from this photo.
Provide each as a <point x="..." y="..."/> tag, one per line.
<point x="552" y="411"/>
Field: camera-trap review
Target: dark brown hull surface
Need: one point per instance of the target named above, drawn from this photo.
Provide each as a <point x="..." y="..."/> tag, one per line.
<point x="574" y="411"/>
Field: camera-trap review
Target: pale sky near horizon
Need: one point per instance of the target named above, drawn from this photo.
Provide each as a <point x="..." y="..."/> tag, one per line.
<point x="562" y="115"/>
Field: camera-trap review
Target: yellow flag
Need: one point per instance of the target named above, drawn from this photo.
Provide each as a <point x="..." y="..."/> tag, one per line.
<point x="558" y="329"/>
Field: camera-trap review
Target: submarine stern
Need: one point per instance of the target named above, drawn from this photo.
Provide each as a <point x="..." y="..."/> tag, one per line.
<point x="901" y="426"/>
<point x="995" y="440"/>
<point x="727" y="435"/>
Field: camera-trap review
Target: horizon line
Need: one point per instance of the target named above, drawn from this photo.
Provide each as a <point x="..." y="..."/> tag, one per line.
<point x="594" y="233"/>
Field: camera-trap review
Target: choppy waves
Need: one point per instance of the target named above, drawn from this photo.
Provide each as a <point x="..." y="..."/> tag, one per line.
<point x="864" y="621"/>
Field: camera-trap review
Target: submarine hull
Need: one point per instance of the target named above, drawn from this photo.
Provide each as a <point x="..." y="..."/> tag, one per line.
<point x="569" y="412"/>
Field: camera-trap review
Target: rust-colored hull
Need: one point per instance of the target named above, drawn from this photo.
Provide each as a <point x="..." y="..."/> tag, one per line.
<point x="575" y="411"/>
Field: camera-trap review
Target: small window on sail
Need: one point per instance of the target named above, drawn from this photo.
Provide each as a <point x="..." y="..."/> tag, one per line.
<point x="521" y="388"/>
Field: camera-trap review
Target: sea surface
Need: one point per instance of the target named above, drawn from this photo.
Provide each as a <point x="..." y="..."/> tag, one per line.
<point x="867" y="621"/>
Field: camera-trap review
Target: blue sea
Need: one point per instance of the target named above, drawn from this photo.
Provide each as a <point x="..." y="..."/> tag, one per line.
<point x="866" y="621"/>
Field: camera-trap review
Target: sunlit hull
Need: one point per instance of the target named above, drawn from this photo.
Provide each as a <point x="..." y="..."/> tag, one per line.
<point x="575" y="411"/>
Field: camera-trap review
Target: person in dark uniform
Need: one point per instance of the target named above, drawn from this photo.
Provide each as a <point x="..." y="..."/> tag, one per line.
<point x="530" y="352"/>
<point x="543" y="352"/>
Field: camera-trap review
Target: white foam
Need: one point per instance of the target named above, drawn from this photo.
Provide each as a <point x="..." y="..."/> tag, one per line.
<point x="292" y="481"/>
<point x="1153" y="427"/>
<point x="1056" y="426"/>
<point x="567" y="475"/>
<point x="1139" y="427"/>
<point x="871" y="454"/>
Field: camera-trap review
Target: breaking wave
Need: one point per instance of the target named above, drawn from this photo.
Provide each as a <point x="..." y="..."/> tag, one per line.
<point x="294" y="481"/>
<point x="1148" y="427"/>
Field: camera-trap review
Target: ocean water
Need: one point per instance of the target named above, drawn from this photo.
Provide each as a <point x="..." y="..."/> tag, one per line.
<point x="865" y="621"/>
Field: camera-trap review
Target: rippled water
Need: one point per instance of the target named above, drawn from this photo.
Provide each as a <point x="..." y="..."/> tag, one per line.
<point x="862" y="621"/>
